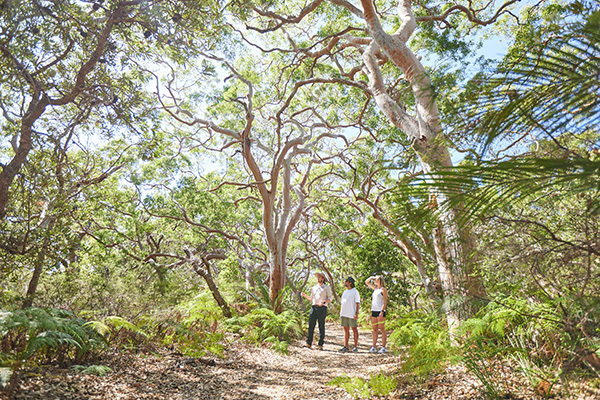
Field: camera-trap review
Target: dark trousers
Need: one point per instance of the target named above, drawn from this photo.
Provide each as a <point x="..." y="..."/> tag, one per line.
<point x="317" y="314"/>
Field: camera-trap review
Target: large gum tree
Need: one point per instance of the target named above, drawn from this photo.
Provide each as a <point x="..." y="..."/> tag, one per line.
<point x="370" y="46"/>
<point x="279" y="146"/>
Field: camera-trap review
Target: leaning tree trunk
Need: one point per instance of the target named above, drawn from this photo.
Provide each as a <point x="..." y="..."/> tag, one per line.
<point x="201" y="266"/>
<point x="454" y="245"/>
<point x="37" y="272"/>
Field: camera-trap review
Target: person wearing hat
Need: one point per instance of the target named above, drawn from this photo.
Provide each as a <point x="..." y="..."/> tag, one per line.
<point x="320" y="297"/>
<point x="349" y="314"/>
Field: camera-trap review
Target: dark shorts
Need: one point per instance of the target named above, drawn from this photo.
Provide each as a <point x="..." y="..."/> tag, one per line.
<point x="375" y="314"/>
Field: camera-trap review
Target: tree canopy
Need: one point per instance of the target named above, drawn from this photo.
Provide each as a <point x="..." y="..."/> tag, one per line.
<point x="154" y="151"/>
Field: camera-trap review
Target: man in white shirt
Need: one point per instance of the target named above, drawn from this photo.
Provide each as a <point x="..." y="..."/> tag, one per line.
<point x="320" y="296"/>
<point x="349" y="314"/>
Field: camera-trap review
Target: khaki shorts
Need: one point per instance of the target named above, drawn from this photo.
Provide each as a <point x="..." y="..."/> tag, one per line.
<point x="351" y="322"/>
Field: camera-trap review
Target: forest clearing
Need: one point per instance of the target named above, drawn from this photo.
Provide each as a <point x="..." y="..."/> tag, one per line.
<point x="189" y="187"/>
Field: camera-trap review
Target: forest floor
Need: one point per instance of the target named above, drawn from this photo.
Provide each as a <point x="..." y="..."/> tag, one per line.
<point x="257" y="373"/>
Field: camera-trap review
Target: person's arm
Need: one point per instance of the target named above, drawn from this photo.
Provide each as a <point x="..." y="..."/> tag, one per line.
<point x="357" y="310"/>
<point x="307" y="297"/>
<point x="385" y="296"/>
<point x="329" y="296"/>
<point x="369" y="282"/>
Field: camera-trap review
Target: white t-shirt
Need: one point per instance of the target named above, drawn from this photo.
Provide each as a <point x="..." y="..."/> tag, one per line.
<point x="349" y="299"/>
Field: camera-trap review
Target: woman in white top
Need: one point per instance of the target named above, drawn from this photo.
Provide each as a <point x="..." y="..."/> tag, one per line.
<point x="378" y="311"/>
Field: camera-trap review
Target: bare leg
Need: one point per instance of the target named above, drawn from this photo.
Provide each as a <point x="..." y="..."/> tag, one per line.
<point x="381" y="323"/>
<point x="355" y="332"/>
<point x="346" y="335"/>
<point x="375" y="330"/>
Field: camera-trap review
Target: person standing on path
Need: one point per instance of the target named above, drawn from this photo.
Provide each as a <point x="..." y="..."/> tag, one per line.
<point x="320" y="296"/>
<point x="378" y="311"/>
<point x="349" y="314"/>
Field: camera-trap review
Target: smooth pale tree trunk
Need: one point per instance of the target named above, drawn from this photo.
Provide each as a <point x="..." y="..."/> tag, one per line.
<point x="453" y="244"/>
<point x="280" y="213"/>
<point x="277" y="222"/>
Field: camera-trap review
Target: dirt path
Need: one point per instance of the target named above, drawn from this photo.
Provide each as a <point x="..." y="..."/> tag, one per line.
<point x="304" y="373"/>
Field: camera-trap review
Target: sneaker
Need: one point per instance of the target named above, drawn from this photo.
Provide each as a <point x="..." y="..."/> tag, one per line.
<point x="372" y="350"/>
<point x="306" y="345"/>
<point x="354" y="350"/>
<point x="344" y="350"/>
<point x="383" y="350"/>
<point x="319" y="347"/>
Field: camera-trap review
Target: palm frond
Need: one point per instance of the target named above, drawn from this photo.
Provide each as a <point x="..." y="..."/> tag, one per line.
<point x="554" y="88"/>
<point x="481" y="189"/>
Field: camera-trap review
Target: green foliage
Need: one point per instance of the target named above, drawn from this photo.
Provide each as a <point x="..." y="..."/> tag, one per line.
<point x="425" y="341"/>
<point x="193" y="328"/>
<point x="477" y="357"/>
<point x="505" y="316"/>
<point x="382" y="385"/>
<point x="280" y="346"/>
<point x="99" y="370"/>
<point x="537" y="373"/>
<point x="514" y="330"/>
<point x="49" y="335"/>
<point x="377" y="385"/>
<point x="547" y="87"/>
<point x="264" y="325"/>
<point x="376" y="254"/>
<point x="192" y="337"/>
<point x="119" y="332"/>
<point x="356" y="387"/>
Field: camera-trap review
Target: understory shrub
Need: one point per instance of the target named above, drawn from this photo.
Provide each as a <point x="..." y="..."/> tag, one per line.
<point x="424" y="340"/>
<point x="515" y="332"/>
<point x="192" y="329"/>
<point x="35" y="336"/>
<point x="120" y="333"/>
<point x="264" y="325"/>
<point x="376" y="385"/>
<point x="38" y="335"/>
<point x="189" y="334"/>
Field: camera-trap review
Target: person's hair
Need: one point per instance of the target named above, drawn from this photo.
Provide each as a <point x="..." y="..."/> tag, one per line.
<point x="381" y="280"/>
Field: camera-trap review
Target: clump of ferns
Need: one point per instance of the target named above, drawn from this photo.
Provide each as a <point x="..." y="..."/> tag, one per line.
<point x="263" y="325"/>
<point x="44" y="336"/>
